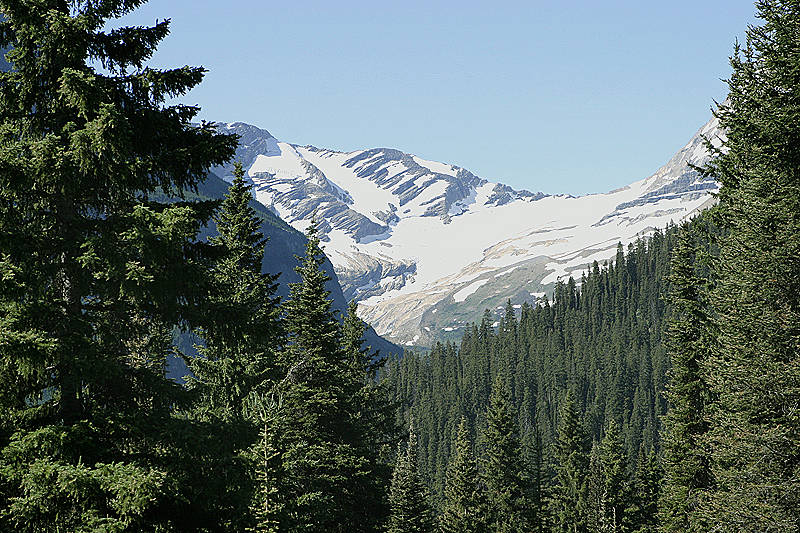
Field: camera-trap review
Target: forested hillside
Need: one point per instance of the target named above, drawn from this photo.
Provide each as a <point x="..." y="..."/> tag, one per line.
<point x="600" y="340"/>
<point x="659" y="392"/>
<point x="663" y="394"/>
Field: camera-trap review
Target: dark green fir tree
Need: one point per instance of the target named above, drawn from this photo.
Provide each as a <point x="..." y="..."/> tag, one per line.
<point x="373" y="416"/>
<point x="268" y="503"/>
<point x="504" y="470"/>
<point x="408" y="497"/>
<point x="94" y="274"/>
<point x="642" y="516"/>
<point x="615" y="496"/>
<point x="241" y="333"/>
<point x="533" y="447"/>
<point x="237" y="361"/>
<point x="465" y="500"/>
<point x="372" y="409"/>
<point x="324" y="462"/>
<point x="537" y="476"/>
<point x="755" y="433"/>
<point x="569" y="493"/>
<point x="687" y="466"/>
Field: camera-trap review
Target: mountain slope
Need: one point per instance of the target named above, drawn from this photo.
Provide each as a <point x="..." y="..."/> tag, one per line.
<point x="426" y="246"/>
<point x="284" y="244"/>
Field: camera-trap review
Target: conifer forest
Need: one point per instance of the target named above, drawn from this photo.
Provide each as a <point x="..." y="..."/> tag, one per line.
<point x="660" y="392"/>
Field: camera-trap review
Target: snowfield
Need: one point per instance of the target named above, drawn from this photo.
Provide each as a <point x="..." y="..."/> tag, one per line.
<point x="408" y="236"/>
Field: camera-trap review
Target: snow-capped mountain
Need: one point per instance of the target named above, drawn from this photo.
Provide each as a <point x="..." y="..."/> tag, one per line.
<point x="425" y="246"/>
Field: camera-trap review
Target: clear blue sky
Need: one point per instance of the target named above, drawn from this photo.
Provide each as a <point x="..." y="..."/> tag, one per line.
<point x="572" y="97"/>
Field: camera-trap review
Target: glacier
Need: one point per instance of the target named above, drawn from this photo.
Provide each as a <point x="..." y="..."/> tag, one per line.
<point x="425" y="246"/>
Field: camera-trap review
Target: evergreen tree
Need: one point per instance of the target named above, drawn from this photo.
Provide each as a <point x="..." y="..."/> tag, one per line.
<point x="268" y="504"/>
<point x="408" y="497"/>
<point x="570" y="489"/>
<point x="503" y="466"/>
<point x="755" y="365"/>
<point x="373" y="416"/>
<point x="465" y="506"/>
<point x="372" y="408"/>
<point x="94" y="274"/>
<point x="642" y="516"/>
<point x="595" y="487"/>
<point x="687" y="476"/>
<point x="615" y="497"/>
<point x="242" y="334"/>
<point x="537" y="479"/>
<point x="326" y="471"/>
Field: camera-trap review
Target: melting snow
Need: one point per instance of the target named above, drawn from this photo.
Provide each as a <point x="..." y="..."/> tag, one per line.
<point x="503" y="273"/>
<point x="462" y="295"/>
<point x="566" y="232"/>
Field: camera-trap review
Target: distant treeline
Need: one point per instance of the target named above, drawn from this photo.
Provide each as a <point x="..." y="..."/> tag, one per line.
<point x="659" y="393"/>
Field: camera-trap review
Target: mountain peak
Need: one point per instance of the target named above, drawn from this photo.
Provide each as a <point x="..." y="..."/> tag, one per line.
<point x="410" y="238"/>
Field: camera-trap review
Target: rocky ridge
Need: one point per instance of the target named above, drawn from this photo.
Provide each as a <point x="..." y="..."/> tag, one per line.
<point x="425" y="246"/>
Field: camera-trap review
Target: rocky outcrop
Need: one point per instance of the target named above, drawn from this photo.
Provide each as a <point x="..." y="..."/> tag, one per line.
<point x="425" y="247"/>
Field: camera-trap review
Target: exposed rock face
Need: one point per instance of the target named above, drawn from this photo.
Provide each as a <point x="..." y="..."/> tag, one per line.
<point x="426" y="246"/>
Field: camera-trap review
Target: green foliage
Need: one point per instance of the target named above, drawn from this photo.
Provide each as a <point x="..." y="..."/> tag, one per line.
<point x="373" y="411"/>
<point x="687" y="476"/>
<point x="465" y="500"/>
<point x="408" y="497"/>
<point x="94" y="274"/>
<point x="373" y="416"/>
<point x="569" y="501"/>
<point x="536" y="471"/>
<point x="642" y="516"/>
<point x="332" y="476"/>
<point x="241" y="329"/>
<point x="268" y="503"/>
<point x="237" y="362"/>
<point x="503" y="465"/>
<point x="755" y="427"/>
<point x="615" y="497"/>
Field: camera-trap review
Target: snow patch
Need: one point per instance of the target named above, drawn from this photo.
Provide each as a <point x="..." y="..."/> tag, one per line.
<point x="462" y="295"/>
<point x="435" y="166"/>
<point x="503" y="273"/>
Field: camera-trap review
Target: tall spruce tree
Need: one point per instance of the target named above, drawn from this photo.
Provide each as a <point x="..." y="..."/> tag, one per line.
<point x="615" y="498"/>
<point x="325" y="469"/>
<point x="503" y="465"/>
<point x="242" y="334"/>
<point x="533" y="447"/>
<point x="408" y="497"/>
<point x="268" y="504"/>
<point x="241" y="329"/>
<point x="94" y="275"/>
<point x="569" y="494"/>
<point x="687" y="466"/>
<point x="372" y="409"/>
<point x="373" y="416"/>
<point x="643" y="514"/>
<point x="595" y="483"/>
<point x="465" y="506"/>
<point x="755" y="434"/>
<point x="537" y="479"/>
